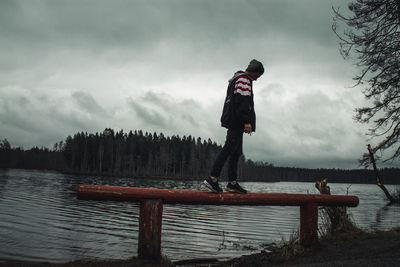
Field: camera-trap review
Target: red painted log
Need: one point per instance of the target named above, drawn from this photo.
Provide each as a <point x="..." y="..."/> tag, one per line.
<point x="150" y="220"/>
<point x="170" y="196"/>
<point x="309" y="224"/>
<point x="152" y="200"/>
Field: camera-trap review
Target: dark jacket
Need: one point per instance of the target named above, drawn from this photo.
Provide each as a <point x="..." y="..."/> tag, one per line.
<point x="239" y="103"/>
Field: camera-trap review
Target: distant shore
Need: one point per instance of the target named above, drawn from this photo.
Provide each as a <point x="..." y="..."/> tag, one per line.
<point x="310" y="179"/>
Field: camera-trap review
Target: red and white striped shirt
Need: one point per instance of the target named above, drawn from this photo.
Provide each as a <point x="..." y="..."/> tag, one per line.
<point x="243" y="86"/>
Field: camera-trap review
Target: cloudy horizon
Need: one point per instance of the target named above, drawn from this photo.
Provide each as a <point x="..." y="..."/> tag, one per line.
<point x="163" y="66"/>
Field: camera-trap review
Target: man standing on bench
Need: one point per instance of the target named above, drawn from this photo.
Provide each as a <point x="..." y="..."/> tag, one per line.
<point x="238" y="117"/>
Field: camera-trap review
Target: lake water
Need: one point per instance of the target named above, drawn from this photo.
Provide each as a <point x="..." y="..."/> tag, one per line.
<point x="41" y="219"/>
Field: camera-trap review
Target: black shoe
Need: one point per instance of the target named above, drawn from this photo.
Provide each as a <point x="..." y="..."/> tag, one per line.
<point x="213" y="186"/>
<point x="236" y="188"/>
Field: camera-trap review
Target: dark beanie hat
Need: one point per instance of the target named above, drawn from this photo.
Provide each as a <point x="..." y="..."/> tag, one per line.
<point x="255" y="66"/>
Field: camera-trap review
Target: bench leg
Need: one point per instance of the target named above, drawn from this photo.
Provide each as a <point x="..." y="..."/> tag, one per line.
<point x="150" y="221"/>
<point x="309" y="224"/>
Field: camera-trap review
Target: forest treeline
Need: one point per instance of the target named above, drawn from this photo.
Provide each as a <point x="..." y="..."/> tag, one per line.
<point x="138" y="154"/>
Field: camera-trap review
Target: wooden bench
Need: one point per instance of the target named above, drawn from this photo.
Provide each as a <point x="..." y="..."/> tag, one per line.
<point x="152" y="200"/>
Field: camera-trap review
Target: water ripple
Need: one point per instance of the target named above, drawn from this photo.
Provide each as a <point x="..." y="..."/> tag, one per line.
<point x="41" y="219"/>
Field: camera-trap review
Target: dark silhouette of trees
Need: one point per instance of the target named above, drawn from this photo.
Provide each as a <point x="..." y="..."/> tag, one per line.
<point x="373" y="36"/>
<point x="5" y="149"/>
<point x="138" y="154"/>
<point x="34" y="158"/>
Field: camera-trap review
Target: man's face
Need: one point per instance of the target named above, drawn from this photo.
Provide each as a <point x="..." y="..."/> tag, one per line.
<point x="255" y="75"/>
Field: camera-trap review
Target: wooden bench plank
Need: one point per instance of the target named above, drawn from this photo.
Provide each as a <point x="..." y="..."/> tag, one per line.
<point x="152" y="200"/>
<point x="174" y="196"/>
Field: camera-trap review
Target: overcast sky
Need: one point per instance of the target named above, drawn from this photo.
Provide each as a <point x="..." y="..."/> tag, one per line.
<point x="163" y="66"/>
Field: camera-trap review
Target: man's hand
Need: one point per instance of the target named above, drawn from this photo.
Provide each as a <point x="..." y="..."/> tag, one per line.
<point x="247" y="128"/>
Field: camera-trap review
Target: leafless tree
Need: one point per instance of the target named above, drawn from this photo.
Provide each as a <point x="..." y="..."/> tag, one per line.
<point x="371" y="37"/>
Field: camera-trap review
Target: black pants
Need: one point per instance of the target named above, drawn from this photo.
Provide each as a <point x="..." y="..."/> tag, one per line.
<point x="232" y="149"/>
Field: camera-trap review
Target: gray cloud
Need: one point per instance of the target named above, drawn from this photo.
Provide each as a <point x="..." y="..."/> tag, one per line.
<point x="69" y="66"/>
<point x="148" y="114"/>
<point x="135" y="29"/>
<point x="308" y="128"/>
<point x="87" y="103"/>
<point x="28" y="120"/>
<point x="170" y="115"/>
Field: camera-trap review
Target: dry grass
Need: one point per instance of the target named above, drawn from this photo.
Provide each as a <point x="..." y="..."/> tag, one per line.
<point x="345" y="225"/>
<point x="290" y="248"/>
<point x="344" y="222"/>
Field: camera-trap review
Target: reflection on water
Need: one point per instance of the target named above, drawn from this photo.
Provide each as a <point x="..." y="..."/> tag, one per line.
<point x="41" y="219"/>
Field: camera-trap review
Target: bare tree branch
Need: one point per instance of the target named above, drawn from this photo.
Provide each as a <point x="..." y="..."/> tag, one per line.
<point x="371" y="35"/>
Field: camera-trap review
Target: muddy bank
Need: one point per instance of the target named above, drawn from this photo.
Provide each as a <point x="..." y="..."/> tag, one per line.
<point x="381" y="248"/>
<point x="132" y="262"/>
